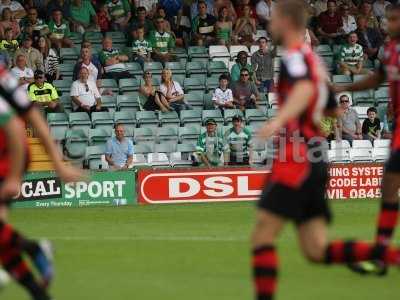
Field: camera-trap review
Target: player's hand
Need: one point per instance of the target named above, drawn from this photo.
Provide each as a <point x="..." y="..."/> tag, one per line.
<point x="269" y="129"/>
<point x="10" y="188"/>
<point x="71" y="174"/>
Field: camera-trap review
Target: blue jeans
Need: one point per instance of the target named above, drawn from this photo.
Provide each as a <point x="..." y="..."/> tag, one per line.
<point x="265" y="86"/>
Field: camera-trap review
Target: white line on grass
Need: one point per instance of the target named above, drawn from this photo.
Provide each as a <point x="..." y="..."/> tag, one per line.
<point x="149" y="238"/>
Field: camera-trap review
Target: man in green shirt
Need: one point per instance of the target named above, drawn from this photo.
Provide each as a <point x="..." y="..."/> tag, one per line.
<point x="59" y="30"/>
<point x="83" y="16"/>
<point x="44" y="94"/>
<point x="210" y="145"/>
<point x="113" y="61"/>
<point x="237" y="143"/>
<point x="32" y="25"/>
<point x="162" y="42"/>
<point x="120" y="13"/>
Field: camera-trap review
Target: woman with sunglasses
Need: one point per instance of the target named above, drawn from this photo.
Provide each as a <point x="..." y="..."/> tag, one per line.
<point x="149" y="92"/>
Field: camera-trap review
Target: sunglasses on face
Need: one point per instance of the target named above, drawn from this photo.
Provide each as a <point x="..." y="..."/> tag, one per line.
<point x="344" y="101"/>
<point x="244" y="75"/>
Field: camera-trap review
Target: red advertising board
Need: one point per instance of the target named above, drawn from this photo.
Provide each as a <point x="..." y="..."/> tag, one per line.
<point x="347" y="181"/>
<point x="200" y="185"/>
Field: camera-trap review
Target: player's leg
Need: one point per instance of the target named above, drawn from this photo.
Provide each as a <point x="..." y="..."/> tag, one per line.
<point x="265" y="258"/>
<point x="313" y="239"/>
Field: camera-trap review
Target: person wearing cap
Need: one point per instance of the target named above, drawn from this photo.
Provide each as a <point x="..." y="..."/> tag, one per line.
<point x="44" y="94"/>
<point x="210" y="145"/>
<point x="34" y="58"/>
<point x="237" y="143"/>
<point x="241" y="63"/>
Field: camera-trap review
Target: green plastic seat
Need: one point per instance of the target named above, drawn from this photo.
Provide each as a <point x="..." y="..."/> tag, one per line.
<point x="230" y="113"/>
<point x="109" y="102"/>
<point x="167" y="134"/>
<point x="255" y="116"/>
<point x="214" y="114"/>
<point x="197" y="52"/>
<point x="93" y="37"/>
<point x="76" y="37"/>
<point x="382" y="95"/>
<point x="363" y="97"/>
<point x="58" y="123"/>
<point x="98" y="136"/>
<point x="217" y="67"/>
<point x="69" y="54"/>
<point x="194" y="84"/>
<point x="147" y="119"/>
<point x="189" y="134"/>
<point x="129" y="85"/>
<point x="143" y="148"/>
<point x="212" y="83"/>
<point x="341" y="79"/>
<point x="118" y="37"/>
<point x="154" y="67"/>
<point x="190" y="117"/>
<point x="169" y="118"/>
<point x="180" y="78"/>
<point x="176" y="68"/>
<point x="76" y="141"/>
<point x="110" y="84"/>
<point x="102" y="119"/>
<point x="196" y="67"/>
<point x="126" y="118"/>
<point x="165" y="148"/>
<point x="63" y="86"/>
<point x="79" y="120"/>
<point x="324" y="50"/>
<point x="134" y="69"/>
<point x="66" y="103"/>
<point x="195" y="98"/>
<point x="186" y="148"/>
<point x="156" y="80"/>
<point x="93" y="156"/>
<point x="130" y="102"/>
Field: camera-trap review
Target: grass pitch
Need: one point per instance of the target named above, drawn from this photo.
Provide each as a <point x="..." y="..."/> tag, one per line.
<point x="180" y="252"/>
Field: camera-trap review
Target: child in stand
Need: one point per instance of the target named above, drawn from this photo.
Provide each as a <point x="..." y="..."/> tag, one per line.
<point x="371" y="127"/>
<point x="141" y="48"/>
<point x="222" y="96"/>
<point x="9" y="44"/>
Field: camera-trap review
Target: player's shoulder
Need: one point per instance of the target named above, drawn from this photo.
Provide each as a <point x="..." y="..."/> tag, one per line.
<point x="295" y="62"/>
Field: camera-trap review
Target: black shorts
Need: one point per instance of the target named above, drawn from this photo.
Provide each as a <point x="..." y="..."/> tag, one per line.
<point x="302" y="204"/>
<point x="393" y="163"/>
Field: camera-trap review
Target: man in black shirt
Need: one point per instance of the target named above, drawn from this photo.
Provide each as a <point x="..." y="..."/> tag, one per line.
<point x="371" y="127"/>
<point x="203" y="26"/>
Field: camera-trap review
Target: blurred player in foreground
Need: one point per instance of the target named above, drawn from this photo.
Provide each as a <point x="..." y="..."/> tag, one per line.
<point x="12" y="244"/>
<point x="295" y="190"/>
<point x="389" y="70"/>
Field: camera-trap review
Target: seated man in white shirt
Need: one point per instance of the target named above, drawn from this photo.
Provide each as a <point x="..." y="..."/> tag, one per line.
<point x="222" y="96"/>
<point x="85" y="95"/>
<point x="22" y="72"/>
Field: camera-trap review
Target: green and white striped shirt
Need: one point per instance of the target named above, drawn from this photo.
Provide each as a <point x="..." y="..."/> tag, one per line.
<point x="212" y="147"/>
<point x="352" y="55"/>
<point x="141" y="48"/>
<point x="238" y="144"/>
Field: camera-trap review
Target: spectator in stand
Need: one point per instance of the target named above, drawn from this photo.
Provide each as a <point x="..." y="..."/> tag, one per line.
<point x="140" y="21"/>
<point x="219" y="4"/>
<point x="44" y="94"/>
<point x="61" y="5"/>
<point x="237" y="143"/>
<point x="223" y="28"/>
<point x="210" y="146"/>
<point x="103" y="18"/>
<point x="371" y="127"/>
<point x="367" y="12"/>
<point x="16" y="8"/>
<point x="241" y="4"/>
<point x="194" y="8"/>
<point x="119" y="150"/>
<point x="349" y="124"/>
<point x="172" y="8"/>
<point x="319" y="6"/>
<point x="22" y="72"/>
<point x="8" y="21"/>
<point x="351" y="56"/>
<point x="141" y="48"/>
<point x="369" y="38"/>
<point x="349" y="22"/>
<point x="329" y="128"/>
<point x="223" y="96"/>
<point x="8" y="43"/>
<point x="264" y="9"/>
<point x="241" y="63"/>
<point x="203" y="27"/>
<point x="85" y="95"/>
<point x="171" y="92"/>
<point x="263" y="63"/>
<point x="245" y="92"/>
<point x="94" y="67"/>
<point x="174" y="14"/>
<point x="245" y="28"/>
<point x="149" y="5"/>
<point x="162" y="43"/>
<point x="330" y="24"/>
<point x="95" y="57"/>
<point x="59" y="31"/>
<point x="113" y="61"/>
<point x="148" y="91"/>
<point x="379" y="8"/>
<point x="5" y="58"/>
<point x="34" y="58"/>
<point x="51" y="60"/>
<point x="32" y="25"/>
<point x="310" y="38"/>
<point x="83" y="16"/>
<point x="120" y="13"/>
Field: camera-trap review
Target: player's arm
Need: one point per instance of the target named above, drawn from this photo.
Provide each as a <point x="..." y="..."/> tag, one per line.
<point x="369" y="82"/>
<point x="296" y="104"/>
<point x="14" y="132"/>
